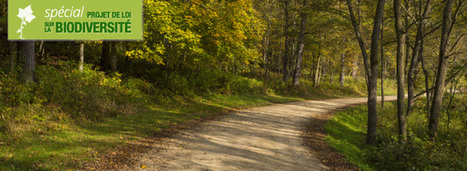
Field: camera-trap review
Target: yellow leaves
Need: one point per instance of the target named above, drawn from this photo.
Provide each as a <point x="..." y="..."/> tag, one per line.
<point x="143" y="166"/>
<point x="205" y="31"/>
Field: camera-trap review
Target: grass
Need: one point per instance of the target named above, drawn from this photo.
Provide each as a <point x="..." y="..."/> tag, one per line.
<point x="346" y="133"/>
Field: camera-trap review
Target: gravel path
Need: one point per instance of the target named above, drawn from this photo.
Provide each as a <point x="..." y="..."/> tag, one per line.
<point x="262" y="138"/>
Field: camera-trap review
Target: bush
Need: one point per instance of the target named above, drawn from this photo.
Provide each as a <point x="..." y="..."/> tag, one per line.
<point x="243" y="85"/>
<point x="416" y="154"/>
<point x="89" y="94"/>
<point x="13" y="92"/>
<point x="419" y="152"/>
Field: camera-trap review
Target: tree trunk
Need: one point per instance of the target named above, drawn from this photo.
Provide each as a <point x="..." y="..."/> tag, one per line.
<point x="402" y="125"/>
<point x="341" y="77"/>
<point x="417" y="53"/>
<point x="27" y="50"/>
<point x="301" y="45"/>
<point x="287" y="41"/>
<point x="355" y="69"/>
<point x="13" y="56"/>
<point x="372" y="73"/>
<point x="373" y="78"/>
<point x="427" y="85"/>
<point x="113" y="57"/>
<point x="41" y="50"/>
<point x="81" y="56"/>
<point x="383" y="66"/>
<point x="316" y="70"/>
<point x="265" y="56"/>
<point x="105" y="56"/>
<point x="407" y="39"/>
<point x="422" y="41"/>
<point x="267" y="47"/>
<point x="356" y="27"/>
<point x="442" y="69"/>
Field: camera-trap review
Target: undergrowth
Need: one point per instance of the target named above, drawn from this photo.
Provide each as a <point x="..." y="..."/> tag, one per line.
<point x="346" y="133"/>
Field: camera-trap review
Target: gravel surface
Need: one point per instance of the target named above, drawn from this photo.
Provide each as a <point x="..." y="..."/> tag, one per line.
<point x="262" y="138"/>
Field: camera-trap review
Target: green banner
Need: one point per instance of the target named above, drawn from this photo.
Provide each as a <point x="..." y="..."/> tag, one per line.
<point x="75" y="20"/>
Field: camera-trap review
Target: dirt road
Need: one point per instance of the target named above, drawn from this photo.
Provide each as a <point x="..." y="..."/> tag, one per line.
<point x="262" y="138"/>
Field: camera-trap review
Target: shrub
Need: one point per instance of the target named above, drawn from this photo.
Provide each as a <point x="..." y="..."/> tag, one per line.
<point x="89" y="94"/>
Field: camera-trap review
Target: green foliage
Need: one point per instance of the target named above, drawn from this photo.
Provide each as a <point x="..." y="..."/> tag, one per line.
<point x="417" y="154"/>
<point x="420" y="153"/>
<point x="90" y="94"/>
<point x="198" y="33"/>
<point x="86" y="96"/>
<point x="14" y="92"/>
<point x="347" y="129"/>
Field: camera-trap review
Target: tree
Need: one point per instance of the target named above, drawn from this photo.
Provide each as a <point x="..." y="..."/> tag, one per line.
<point x="373" y="78"/>
<point x="383" y="65"/>
<point x="113" y="57"/>
<point x="13" y="56"/>
<point x="442" y="69"/>
<point x="27" y="51"/>
<point x="301" y="44"/>
<point x="416" y="55"/>
<point x="372" y="68"/>
<point x="400" y="70"/>
<point x="105" y="57"/>
<point x="285" y="6"/>
<point x="81" y="56"/>
<point x="342" y="75"/>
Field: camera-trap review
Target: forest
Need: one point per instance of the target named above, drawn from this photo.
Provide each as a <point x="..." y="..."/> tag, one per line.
<point x="199" y="58"/>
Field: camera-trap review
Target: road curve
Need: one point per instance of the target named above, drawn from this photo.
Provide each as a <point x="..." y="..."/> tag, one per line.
<point x="261" y="138"/>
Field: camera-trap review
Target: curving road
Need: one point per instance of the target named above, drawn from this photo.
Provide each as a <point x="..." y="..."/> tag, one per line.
<point x="262" y="138"/>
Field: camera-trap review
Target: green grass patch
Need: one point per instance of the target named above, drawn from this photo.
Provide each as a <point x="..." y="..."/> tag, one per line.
<point x="346" y="133"/>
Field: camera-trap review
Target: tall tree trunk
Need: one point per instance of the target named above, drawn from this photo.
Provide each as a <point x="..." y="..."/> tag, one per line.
<point x="422" y="42"/>
<point x="301" y="45"/>
<point x="372" y="73"/>
<point x="105" y="56"/>
<point x="81" y="56"/>
<point x="265" y="58"/>
<point x="407" y="38"/>
<point x="316" y="70"/>
<point x="41" y="50"/>
<point x="27" y="50"/>
<point x="402" y="125"/>
<point x="417" y="53"/>
<point x="373" y="78"/>
<point x="287" y="41"/>
<point x="342" y="75"/>
<point x="358" y="34"/>
<point x="355" y="69"/>
<point x="427" y="85"/>
<point x="383" y="66"/>
<point x="442" y="69"/>
<point x="13" y="56"/>
<point x="267" y="47"/>
<point x="113" y="57"/>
